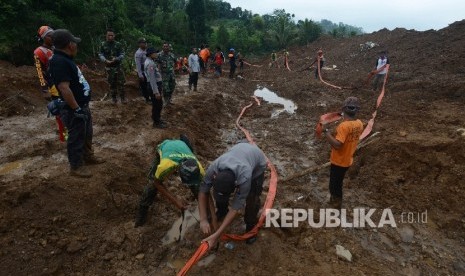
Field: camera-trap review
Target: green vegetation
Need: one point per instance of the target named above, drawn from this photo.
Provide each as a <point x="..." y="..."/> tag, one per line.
<point x="183" y="23"/>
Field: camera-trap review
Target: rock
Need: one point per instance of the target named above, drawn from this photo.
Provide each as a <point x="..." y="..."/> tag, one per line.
<point x="459" y="266"/>
<point x="461" y="132"/>
<point x="406" y="234"/>
<point x="140" y="256"/>
<point x="108" y="256"/>
<point x="343" y="253"/>
<point x="73" y="247"/>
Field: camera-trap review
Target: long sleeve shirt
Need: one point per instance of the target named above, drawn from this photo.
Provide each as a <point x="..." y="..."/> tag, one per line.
<point x="139" y="58"/>
<point x="152" y="74"/>
<point x="246" y="161"/>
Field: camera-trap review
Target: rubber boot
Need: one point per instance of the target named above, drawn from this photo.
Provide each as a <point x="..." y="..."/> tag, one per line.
<point x="141" y="216"/>
<point x="335" y="202"/>
<point x="147" y="198"/>
<point x="252" y="239"/>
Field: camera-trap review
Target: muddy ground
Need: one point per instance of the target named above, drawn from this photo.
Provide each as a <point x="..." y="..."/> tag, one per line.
<point x="53" y="224"/>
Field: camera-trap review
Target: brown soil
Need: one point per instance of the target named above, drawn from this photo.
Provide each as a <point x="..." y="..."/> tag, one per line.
<point x="51" y="223"/>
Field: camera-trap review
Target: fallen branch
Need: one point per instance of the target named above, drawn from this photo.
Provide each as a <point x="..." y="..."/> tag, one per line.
<point x="365" y="143"/>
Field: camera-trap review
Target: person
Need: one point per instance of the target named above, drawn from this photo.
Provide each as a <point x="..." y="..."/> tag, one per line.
<point x="167" y="61"/>
<point x="343" y="146"/>
<point x="178" y="68"/>
<point x="139" y="58"/>
<point x="75" y="91"/>
<point x="205" y="56"/>
<point x="185" y="65"/>
<point x="194" y="69"/>
<point x="154" y="87"/>
<point x="219" y="60"/>
<point x="241" y="169"/>
<point x="285" y="57"/>
<point x="112" y="53"/>
<point x="321" y="60"/>
<point x="232" y="63"/>
<point x="42" y="56"/>
<point x="274" y="60"/>
<point x="380" y="62"/>
<point x="240" y="58"/>
<point x="171" y="155"/>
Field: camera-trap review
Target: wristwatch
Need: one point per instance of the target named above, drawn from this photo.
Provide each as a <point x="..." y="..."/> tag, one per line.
<point x="325" y="130"/>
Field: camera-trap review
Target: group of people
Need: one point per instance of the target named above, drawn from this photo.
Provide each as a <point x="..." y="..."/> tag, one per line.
<point x="238" y="173"/>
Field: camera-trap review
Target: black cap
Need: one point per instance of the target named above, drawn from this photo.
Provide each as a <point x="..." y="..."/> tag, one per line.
<point x="62" y="37"/>
<point x="150" y="51"/>
<point x="223" y="185"/>
<point x="189" y="172"/>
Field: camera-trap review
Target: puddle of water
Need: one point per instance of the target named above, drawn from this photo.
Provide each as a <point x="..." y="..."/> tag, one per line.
<point x="8" y="167"/>
<point x="272" y="97"/>
<point x="191" y="218"/>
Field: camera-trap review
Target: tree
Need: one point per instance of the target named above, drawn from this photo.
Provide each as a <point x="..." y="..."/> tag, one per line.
<point x="195" y="10"/>
<point x="222" y="36"/>
<point x="283" y="28"/>
<point x="309" y="31"/>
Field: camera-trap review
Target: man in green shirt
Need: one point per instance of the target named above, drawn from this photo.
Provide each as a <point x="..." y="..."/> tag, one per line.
<point x="171" y="155"/>
<point x="112" y="53"/>
<point x="167" y="60"/>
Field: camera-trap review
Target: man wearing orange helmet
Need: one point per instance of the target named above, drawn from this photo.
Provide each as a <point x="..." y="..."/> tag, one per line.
<point x="42" y="55"/>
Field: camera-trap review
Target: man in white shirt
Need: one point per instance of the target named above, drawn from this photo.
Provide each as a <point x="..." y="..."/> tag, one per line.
<point x="139" y="58"/>
<point x="194" y="69"/>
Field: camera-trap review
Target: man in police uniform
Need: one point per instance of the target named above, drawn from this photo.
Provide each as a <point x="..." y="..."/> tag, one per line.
<point x="167" y="60"/>
<point x="112" y="53"/>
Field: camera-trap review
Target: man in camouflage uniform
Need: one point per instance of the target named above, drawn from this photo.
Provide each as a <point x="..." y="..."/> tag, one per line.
<point x="112" y="53"/>
<point x="167" y="60"/>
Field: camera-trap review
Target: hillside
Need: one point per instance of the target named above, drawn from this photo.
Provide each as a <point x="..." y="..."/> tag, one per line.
<point x="53" y="224"/>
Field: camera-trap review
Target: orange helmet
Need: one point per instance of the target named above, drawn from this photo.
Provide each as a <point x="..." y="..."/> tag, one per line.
<point x="44" y="31"/>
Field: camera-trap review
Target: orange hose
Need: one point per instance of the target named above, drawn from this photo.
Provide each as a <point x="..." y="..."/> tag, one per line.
<point x="203" y="248"/>
<point x="321" y="79"/>
<point x="370" y="124"/>
<point x="268" y="204"/>
<point x="334" y="116"/>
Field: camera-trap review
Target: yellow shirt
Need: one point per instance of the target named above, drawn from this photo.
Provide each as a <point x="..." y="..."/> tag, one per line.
<point x="348" y="133"/>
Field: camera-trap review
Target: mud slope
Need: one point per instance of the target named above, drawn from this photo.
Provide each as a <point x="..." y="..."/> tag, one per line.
<point x="52" y="224"/>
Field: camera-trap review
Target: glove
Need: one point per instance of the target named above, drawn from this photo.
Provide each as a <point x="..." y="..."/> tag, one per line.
<point x="79" y="113"/>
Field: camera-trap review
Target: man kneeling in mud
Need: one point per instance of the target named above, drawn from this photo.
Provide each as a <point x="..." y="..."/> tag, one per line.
<point x="171" y="155"/>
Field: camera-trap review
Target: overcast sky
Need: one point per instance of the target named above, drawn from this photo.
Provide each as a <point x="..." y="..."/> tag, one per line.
<point x="370" y="15"/>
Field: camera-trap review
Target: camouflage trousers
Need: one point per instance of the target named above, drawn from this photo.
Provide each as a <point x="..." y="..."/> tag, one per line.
<point x="116" y="80"/>
<point x="169" y="83"/>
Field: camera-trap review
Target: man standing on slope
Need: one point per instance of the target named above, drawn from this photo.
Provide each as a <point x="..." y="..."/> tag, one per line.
<point x="343" y="146"/>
